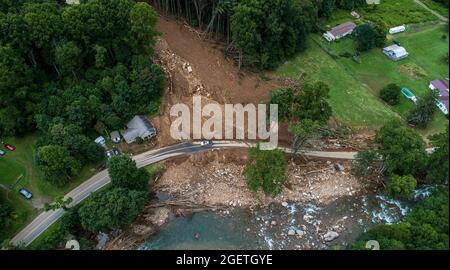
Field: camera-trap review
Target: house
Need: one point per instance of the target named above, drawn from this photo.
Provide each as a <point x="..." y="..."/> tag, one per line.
<point x="396" y="30"/>
<point x="395" y="52"/>
<point x="442" y="87"/>
<point x="139" y="127"/>
<point x="100" y="141"/>
<point x="115" y="137"/>
<point x="340" y="31"/>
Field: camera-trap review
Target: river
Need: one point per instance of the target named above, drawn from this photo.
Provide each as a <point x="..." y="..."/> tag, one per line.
<point x="269" y="228"/>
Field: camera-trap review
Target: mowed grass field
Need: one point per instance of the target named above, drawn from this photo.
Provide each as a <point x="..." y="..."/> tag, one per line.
<point x="18" y="170"/>
<point x="426" y="62"/>
<point x="355" y="85"/>
<point x="352" y="102"/>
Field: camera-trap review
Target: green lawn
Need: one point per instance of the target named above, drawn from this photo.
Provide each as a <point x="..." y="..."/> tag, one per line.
<point x="425" y="63"/>
<point x="355" y="86"/>
<point x="351" y="101"/>
<point x="18" y="170"/>
<point x="397" y="12"/>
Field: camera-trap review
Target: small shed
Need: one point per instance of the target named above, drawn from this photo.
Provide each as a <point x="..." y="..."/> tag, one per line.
<point x="100" y="141"/>
<point x="115" y="136"/>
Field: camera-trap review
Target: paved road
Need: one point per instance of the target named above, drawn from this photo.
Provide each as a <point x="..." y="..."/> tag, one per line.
<point x="46" y="219"/>
<point x="442" y="18"/>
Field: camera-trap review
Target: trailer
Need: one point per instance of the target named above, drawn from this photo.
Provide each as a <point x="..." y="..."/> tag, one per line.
<point x="409" y="95"/>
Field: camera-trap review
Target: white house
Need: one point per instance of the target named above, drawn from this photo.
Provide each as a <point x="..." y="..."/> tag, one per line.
<point x="340" y="31"/>
<point x="139" y="127"/>
<point x="398" y="29"/>
<point x="395" y="52"/>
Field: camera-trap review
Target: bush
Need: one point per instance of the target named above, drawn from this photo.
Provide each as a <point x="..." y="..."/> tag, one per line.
<point x="401" y="187"/>
<point x="391" y="94"/>
<point x="364" y="160"/>
<point x="266" y="170"/>
<point x="111" y="209"/>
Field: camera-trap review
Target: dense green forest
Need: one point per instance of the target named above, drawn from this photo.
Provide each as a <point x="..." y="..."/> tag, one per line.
<point x="407" y="166"/>
<point x="71" y="72"/>
<point x="260" y="33"/>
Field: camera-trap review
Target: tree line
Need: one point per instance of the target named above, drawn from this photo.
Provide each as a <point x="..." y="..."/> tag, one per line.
<point x="73" y="71"/>
<point x="262" y="33"/>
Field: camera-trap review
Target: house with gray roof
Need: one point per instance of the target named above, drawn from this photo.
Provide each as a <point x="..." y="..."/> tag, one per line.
<point x="139" y="127"/>
<point x="395" y="52"/>
<point x="340" y="31"/>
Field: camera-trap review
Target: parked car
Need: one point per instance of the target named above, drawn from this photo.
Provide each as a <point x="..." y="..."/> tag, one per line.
<point x="116" y="151"/>
<point x="397" y="43"/>
<point x="109" y="154"/>
<point x="10" y="147"/>
<point x="26" y="194"/>
<point x="2" y="153"/>
<point x="206" y="143"/>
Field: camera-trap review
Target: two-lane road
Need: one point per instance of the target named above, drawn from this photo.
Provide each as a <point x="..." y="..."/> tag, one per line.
<point x="101" y="179"/>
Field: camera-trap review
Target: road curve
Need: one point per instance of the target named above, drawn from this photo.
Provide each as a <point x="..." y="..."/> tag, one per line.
<point x="44" y="220"/>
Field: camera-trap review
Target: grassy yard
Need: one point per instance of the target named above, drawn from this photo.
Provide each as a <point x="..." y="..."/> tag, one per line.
<point x="426" y="62"/>
<point x="355" y="86"/>
<point x="351" y="101"/>
<point x="18" y="170"/>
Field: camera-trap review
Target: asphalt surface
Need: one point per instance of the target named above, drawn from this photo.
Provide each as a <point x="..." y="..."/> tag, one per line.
<point x="44" y="220"/>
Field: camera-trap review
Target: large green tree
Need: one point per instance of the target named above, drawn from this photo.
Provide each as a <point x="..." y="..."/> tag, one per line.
<point x="268" y="32"/>
<point x="402" y="149"/>
<point x="56" y="164"/>
<point x="111" y="209"/>
<point x="125" y="174"/>
<point x="438" y="170"/>
<point x="424" y="112"/>
<point x="266" y="170"/>
<point x="312" y="103"/>
<point x="401" y="187"/>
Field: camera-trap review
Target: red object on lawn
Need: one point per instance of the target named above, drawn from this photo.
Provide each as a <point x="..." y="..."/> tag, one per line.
<point x="10" y="147"/>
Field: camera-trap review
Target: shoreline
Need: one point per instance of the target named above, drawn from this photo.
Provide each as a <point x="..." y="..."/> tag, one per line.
<point x="209" y="181"/>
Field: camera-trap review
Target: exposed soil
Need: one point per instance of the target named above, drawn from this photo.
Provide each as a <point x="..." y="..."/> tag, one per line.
<point x="215" y="178"/>
<point x="198" y="68"/>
